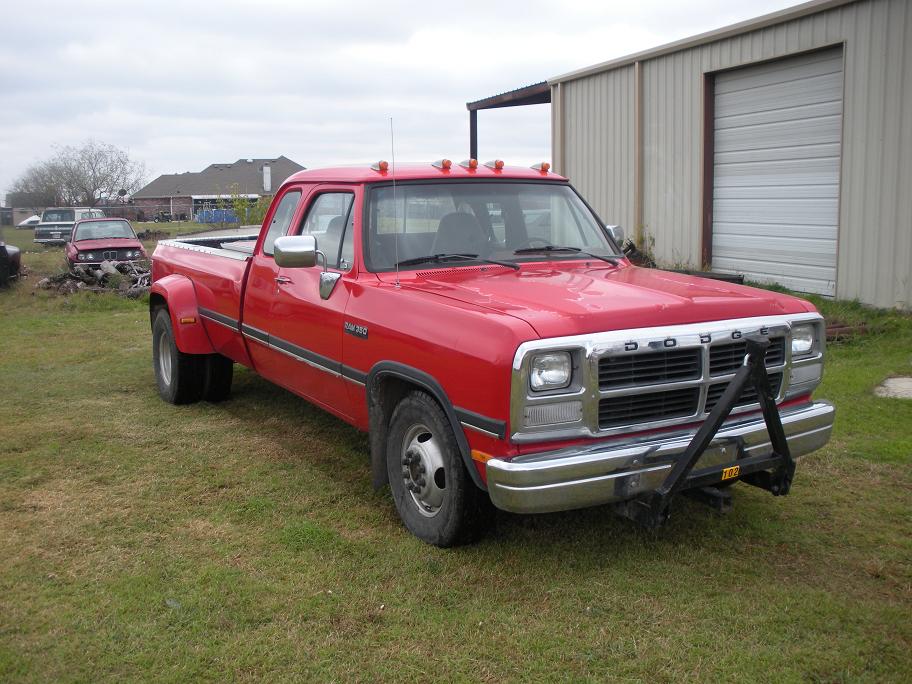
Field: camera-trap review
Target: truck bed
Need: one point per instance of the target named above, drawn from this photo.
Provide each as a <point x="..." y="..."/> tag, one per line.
<point x="232" y="246"/>
<point x="217" y="266"/>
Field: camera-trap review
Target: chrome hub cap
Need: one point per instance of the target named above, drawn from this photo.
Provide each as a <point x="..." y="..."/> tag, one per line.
<point x="422" y="469"/>
<point x="164" y="357"/>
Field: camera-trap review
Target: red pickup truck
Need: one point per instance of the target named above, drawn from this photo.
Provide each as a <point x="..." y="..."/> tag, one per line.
<point x="485" y="328"/>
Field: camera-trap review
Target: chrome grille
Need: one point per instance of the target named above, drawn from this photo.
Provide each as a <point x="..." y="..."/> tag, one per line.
<point x="650" y="368"/>
<point x="748" y="394"/>
<point x="727" y="358"/>
<point x="641" y="379"/>
<point x="631" y="409"/>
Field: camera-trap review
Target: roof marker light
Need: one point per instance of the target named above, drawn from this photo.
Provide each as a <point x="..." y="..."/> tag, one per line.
<point x="443" y="164"/>
<point x="470" y="164"/>
<point x="544" y="167"/>
<point x="496" y="164"/>
<point x="381" y="166"/>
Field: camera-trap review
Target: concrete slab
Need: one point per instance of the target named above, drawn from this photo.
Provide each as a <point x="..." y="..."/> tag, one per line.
<point x="895" y="388"/>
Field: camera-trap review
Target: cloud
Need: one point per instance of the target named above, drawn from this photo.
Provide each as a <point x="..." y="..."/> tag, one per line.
<point x="182" y="85"/>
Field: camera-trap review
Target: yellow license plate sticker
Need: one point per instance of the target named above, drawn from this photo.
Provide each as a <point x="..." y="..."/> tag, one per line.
<point x="729" y="473"/>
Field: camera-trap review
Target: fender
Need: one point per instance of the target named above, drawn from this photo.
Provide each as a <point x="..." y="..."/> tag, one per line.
<point x="378" y="426"/>
<point x="189" y="334"/>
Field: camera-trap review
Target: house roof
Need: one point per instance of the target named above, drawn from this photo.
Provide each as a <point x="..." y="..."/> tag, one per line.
<point x="245" y="176"/>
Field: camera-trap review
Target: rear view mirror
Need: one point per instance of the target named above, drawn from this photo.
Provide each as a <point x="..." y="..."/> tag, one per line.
<point x="617" y="232"/>
<point x="295" y="251"/>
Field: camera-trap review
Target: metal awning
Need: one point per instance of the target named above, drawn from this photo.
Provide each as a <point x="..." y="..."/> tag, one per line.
<point x="537" y="93"/>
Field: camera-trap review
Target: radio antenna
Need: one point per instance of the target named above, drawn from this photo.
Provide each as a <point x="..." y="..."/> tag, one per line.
<point x="395" y="200"/>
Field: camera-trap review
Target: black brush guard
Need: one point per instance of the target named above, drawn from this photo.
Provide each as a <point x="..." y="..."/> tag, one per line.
<point x="772" y="472"/>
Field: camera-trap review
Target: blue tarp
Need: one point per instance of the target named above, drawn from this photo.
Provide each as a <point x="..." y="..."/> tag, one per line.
<point x="216" y="216"/>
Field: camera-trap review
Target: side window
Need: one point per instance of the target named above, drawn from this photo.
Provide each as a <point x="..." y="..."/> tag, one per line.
<point x="281" y="220"/>
<point x="329" y="219"/>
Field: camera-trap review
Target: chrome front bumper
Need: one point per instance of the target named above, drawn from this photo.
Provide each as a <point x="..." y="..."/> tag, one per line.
<point x="590" y="476"/>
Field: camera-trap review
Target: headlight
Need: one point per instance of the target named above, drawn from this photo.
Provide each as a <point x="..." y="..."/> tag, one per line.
<point x="91" y="257"/>
<point x="550" y="371"/>
<point x="802" y="340"/>
<point x="81" y="256"/>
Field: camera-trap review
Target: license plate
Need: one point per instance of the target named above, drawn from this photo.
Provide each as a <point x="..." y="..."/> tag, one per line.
<point x="729" y="473"/>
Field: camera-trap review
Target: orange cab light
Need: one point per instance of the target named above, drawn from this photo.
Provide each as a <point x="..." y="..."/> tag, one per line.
<point x="470" y="164"/>
<point x="381" y="166"/>
<point x="496" y="164"/>
<point x="544" y="167"/>
<point x="443" y="164"/>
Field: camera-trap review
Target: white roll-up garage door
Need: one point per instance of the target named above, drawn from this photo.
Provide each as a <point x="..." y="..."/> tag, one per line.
<point x="776" y="164"/>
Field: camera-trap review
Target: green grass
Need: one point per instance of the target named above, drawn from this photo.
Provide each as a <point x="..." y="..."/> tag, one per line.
<point x="243" y="541"/>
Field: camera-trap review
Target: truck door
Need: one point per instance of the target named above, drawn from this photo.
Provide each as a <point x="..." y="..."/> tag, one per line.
<point x="261" y="286"/>
<point x="305" y="325"/>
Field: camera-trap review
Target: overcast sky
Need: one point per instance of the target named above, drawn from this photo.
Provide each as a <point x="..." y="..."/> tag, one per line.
<point x="184" y="84"/>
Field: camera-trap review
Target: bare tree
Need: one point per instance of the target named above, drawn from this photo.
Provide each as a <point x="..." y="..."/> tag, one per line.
<point x="84" y="175"/>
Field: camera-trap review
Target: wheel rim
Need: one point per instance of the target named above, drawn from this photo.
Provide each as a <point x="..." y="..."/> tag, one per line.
<point x="164" y="356"/>
<point x="422" y="469"/>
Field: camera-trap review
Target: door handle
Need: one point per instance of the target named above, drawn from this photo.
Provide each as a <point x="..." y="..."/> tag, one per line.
<point x="282" y="280"/>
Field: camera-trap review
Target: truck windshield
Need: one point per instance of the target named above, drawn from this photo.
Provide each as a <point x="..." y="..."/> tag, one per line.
<point x="58" y="216"/>
<point x="491" y="220"/>
<point x="103" y="230"/>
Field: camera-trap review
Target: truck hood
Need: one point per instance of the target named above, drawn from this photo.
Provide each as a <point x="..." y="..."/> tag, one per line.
<point x="563" y="299"/>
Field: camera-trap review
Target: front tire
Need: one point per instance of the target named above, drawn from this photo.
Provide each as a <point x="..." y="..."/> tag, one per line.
<point x="434" y="494"/>
<point x="179" y="376"/>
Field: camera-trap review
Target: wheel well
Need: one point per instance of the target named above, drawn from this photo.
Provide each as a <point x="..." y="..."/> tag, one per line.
<point x="385" y="390"/>
<point x="156" y="302"/>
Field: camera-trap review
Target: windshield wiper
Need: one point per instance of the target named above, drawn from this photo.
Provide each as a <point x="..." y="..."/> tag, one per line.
<point x="547" y="249"/>
<point x="438" y="258"/>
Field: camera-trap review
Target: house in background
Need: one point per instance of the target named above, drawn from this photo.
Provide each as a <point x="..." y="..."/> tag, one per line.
<point x="186" y="194"/>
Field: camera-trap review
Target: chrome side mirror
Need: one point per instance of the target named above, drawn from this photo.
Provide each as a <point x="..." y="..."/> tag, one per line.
<point x="295" y="251"/>
<point x="617" y="232"/>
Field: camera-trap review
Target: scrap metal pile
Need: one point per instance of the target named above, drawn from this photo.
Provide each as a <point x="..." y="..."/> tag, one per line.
<point x="127" y="278"/>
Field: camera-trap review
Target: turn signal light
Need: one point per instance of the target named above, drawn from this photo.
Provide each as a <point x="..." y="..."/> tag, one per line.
<point x="496" y="164"/>
<point x="381" y="166"/>
<point x="481" y="456"/>
<point x="443" y="164"/>
<point x="188" y="319"/>
<point x="470" y="164"/>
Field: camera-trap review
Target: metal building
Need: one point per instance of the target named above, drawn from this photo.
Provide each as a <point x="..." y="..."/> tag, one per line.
<point x="780" y="147"/>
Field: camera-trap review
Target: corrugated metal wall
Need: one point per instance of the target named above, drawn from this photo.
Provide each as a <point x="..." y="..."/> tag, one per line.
<point x="602" y="164"/>
<point x="875" y="232"/>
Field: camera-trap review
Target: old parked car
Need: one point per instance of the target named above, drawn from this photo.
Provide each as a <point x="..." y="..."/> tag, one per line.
<point x="10" y="263"/>
<point x="103" y="239"/>
<point x="485" y="327"/>
<point x="29" y="223"/>
<point x="57" y="223"/>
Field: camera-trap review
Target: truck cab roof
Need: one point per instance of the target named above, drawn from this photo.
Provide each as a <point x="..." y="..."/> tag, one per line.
<point x="416" y="171"/>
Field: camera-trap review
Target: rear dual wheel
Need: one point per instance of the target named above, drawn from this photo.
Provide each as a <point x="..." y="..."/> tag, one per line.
<point x="186" y="378"/>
